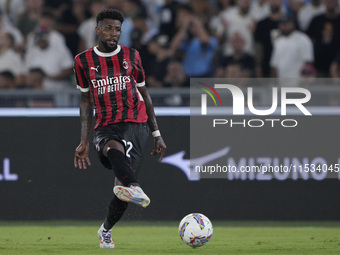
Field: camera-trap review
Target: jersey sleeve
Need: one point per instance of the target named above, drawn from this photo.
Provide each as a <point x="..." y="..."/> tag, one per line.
<point x="82" y="82"/>
<point x="138" y="73"/>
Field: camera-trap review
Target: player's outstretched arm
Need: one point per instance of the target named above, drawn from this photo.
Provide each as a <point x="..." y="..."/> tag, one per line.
<point x="160" y="146"/>
<point x="81" y="156"/>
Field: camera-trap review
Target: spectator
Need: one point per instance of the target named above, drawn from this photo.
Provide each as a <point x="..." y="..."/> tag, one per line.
<point x="324" y="32"/>
<point x="294" y="6"/>
<point x="154" y="55"/>
<point x="240" y="20"/>
<point x="141" y="23"/>
<point x="260" y="9"/>
<point x="194" y="41"/>
<point x="69" y="21"/>
<point x="308" y="12"/>
<point x="88" y="40"/>
<point x="156" y="62"/>
<point x="239" y="56"/>
<point x="223" y="5"/>
<point x="130" y="8"/>
<point x="10" y="61"/>
<point x="34" y="78"/>
<point x="168" y="19"/>
<point x="175" y="78"/>
<point x="233" y="71"/>
<point x="237" y="75"/>
<point x="12" y="9"/>
<point x="335" y="67"/>
<point x="153" y="9"/>
<point x="175" y="75"/>
<point x="202" y="8"/>
<point x="265" y="32"/>
<point x="58" y="7"/>
<point x="293" y="50"/>
<point x="55" y="60"/>
<point x="7" y="80"/>
<point x="217" y="22"/>
<point x="46" y="24"/>
<point x="28" y="21"/>
<point x="6" y="26"/>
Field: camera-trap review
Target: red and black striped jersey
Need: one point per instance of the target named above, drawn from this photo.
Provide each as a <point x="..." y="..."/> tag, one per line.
<point x="113" y="80"/>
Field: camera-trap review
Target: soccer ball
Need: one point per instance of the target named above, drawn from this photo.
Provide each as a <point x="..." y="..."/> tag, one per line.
<point x="195" y="229"/>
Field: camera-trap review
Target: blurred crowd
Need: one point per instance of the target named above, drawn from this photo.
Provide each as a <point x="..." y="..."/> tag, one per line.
<point x="176" y="39"/>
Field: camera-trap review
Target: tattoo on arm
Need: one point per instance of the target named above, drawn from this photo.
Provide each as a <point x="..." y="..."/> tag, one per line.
<point x="86" y="114"/>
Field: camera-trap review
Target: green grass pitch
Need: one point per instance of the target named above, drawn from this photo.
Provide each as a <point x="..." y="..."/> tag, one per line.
<point x="72" y="237"/>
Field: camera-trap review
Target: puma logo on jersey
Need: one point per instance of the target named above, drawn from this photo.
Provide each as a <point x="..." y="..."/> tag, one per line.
<point x="95" y="68"/>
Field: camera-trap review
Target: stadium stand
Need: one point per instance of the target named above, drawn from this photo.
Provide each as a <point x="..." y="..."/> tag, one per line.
<point x="177" y="40"/>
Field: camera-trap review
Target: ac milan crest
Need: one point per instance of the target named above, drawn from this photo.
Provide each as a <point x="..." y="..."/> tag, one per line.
<point x="125" y="64"/>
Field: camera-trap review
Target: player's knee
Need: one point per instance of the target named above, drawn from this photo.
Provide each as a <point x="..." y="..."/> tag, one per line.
<point x="113" y="144"/>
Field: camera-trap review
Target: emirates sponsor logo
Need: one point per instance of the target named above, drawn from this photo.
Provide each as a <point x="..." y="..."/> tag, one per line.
<point x="110" y="84"/>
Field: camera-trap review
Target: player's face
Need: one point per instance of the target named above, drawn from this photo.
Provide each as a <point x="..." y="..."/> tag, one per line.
<point x="108" y="31"/>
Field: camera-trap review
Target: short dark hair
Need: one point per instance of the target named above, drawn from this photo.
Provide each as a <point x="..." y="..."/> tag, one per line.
<point x="37" y="70"/>
<point x="8" y="75"/>
<point x="110" y="14"/>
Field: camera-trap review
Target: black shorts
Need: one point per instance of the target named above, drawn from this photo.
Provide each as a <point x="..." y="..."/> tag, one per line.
<point x="132" y="135"/>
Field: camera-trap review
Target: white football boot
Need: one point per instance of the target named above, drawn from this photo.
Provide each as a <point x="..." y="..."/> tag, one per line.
<point x="133" y="194"/>
<point x="105" y="238"/>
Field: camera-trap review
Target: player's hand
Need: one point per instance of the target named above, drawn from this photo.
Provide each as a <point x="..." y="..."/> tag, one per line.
<point x="81" y="156"/>
<point x="160" y="147"/>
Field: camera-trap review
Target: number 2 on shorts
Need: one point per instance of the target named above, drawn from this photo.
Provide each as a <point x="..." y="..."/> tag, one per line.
<point x="128" y="146"/>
